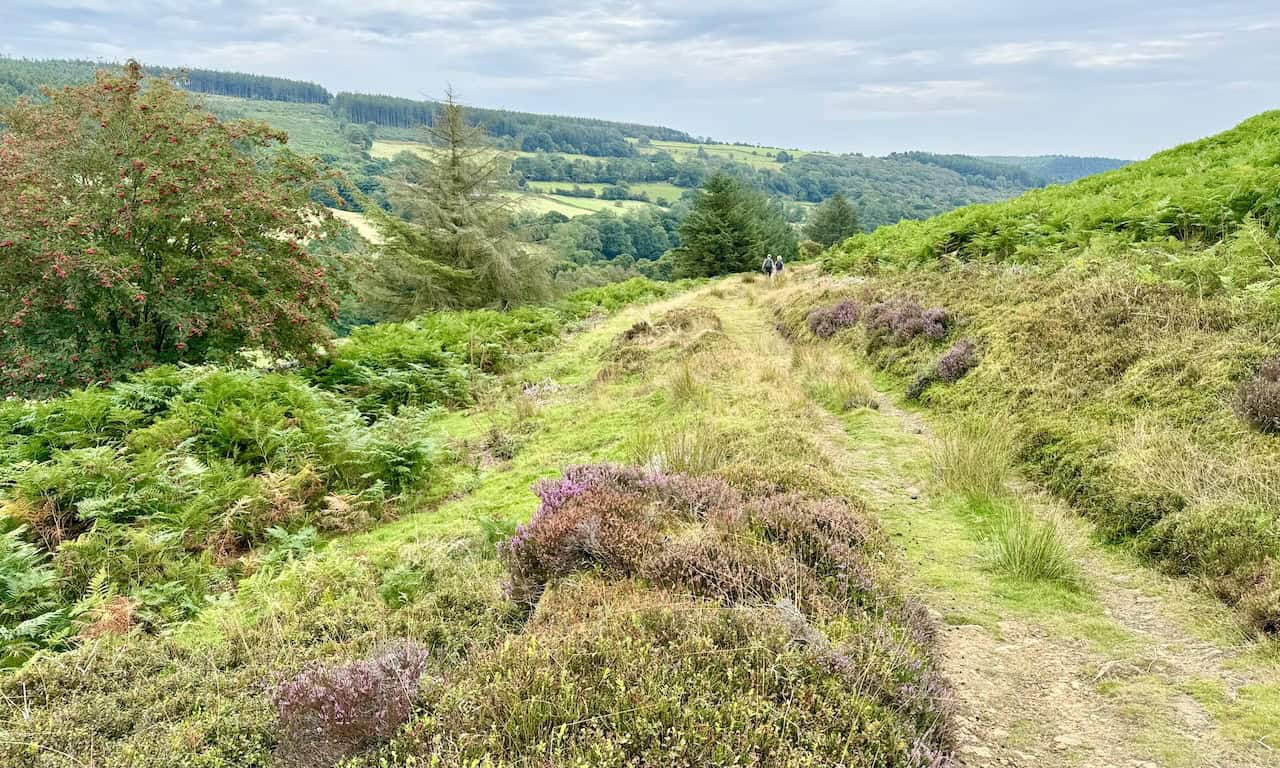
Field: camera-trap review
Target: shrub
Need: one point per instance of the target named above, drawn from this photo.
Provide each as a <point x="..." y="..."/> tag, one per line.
<point x="825" y="322"/>
<point x="950" y="368"/>
<point x="1258" y="399"/>
<point x="956" y="361"/>
<point x="327" y="715"/>
<point x="716" y="588"/>
<point x="899" y="320"/>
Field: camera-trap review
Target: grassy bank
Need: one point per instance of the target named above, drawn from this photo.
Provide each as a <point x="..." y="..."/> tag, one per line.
<point x="1123" y="325"/>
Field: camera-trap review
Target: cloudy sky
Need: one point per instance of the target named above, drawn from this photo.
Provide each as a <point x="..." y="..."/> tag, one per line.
<point x="1108" y="77"/>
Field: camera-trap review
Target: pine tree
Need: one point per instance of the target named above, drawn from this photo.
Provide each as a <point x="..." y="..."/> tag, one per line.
<point x="832" y="222"/>
<point x="449" y="242"/>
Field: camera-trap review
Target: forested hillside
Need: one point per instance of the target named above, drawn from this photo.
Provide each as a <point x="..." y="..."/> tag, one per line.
<point x="575" y="151"/>
<point x="1060" y="169"/>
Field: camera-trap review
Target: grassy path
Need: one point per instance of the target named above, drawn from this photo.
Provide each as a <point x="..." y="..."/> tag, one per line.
<point x="1133" y="670"/>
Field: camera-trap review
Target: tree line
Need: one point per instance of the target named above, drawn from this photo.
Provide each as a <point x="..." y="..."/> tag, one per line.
<point x="515" y="130"/>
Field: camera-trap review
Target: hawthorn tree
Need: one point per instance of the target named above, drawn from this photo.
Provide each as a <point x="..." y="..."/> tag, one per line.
<point x="136" y="229"/>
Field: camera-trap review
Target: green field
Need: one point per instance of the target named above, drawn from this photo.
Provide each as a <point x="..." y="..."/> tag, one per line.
<point x="654" y="190"/>
<point x="387" y="149"/>
<point x="571" y="206"/>
<point x="757" y="157"/>
<point x="311" y="127"/>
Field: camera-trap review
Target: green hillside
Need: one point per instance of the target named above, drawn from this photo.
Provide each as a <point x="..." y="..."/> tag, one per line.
<point x="566" y="150"/>
<point x="1123" y="325"/>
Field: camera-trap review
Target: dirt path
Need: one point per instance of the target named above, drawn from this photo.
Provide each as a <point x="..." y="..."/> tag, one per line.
<point x="1136" y="671"/>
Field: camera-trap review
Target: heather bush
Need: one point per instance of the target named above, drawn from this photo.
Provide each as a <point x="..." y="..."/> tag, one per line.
<point x="1258" y="399"/>
<point x="664" y="687"/>
<point x="950" y="368"/>
<point x="825" y="322"/>
<point x="329" y="714"/>
<point x="693" y="564"/>
<point x="956" y="361"/>
<point x="898" y="320"/>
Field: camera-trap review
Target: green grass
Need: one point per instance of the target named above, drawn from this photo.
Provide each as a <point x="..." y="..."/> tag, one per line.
<point x="312" y="128"/>
<point x="757" y="157"/>
<point x="1030" y="548"/>
<point x="655" y="190"/>
<point x="571" y="206"/>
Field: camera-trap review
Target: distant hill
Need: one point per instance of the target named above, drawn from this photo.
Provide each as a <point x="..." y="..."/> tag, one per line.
<point x="1179" y="201"/>
<point x="1060" y="169"/>
<point x="617" y="161"/>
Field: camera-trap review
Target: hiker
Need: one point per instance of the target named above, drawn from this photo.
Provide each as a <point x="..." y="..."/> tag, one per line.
<point x="777" y="267"/>
<point x="768" y="266"/>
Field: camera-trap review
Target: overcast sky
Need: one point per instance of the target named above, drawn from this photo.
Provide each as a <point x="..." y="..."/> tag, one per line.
<point x="1122" y="78"/>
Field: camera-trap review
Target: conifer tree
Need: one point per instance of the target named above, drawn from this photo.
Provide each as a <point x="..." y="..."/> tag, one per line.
<point x="832" y="222"/>
<point x="731" y="228"/>
<point x="448" y="242"/>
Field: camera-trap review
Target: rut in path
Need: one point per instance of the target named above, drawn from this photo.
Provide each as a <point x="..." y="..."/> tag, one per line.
<point x="1123" y="677"/>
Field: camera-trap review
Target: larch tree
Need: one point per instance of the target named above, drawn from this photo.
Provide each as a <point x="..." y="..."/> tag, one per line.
<point x="136" y="229"/>
<point x="448" y="241"/>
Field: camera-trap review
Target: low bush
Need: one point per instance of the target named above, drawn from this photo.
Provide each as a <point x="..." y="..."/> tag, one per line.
<point x="203" y="694"/>
<point x="956" y="361"/>
<point x="160" y="484"/>
<point x="825" y="322"/>
<point x="898" y="320"/>
<point x="948" y="369"/>
<point x="329" y="714"/>
<point x="713" y="584"/>
<point x="1258" y="399"/>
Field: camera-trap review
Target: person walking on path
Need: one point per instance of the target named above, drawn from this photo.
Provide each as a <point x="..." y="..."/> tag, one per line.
<point x="777" y="267"/>
<point x="767" y="267"/>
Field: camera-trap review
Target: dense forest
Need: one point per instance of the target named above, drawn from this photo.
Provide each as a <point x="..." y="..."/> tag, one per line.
<point x="1060" y="169"/>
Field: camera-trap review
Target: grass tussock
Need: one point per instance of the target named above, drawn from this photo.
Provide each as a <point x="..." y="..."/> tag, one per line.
<point x="972" y="458"/>
<point x="695" y="449"/>
<point x="1024" y="546"/>
<point x="684" y="384"/>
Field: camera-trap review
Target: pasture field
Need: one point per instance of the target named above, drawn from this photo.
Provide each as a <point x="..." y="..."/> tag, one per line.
<point x="655" y="190"/>
<point x="759" y="157"/>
